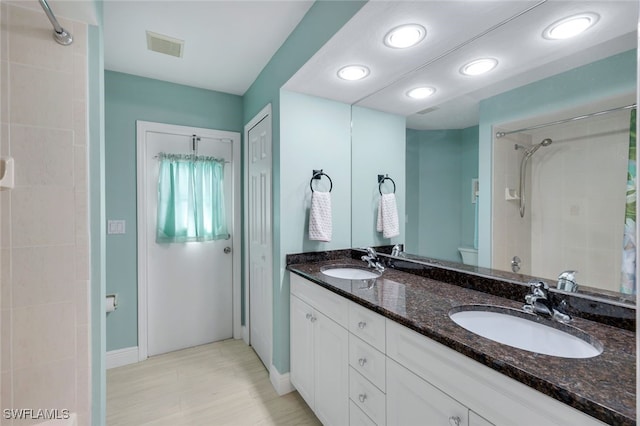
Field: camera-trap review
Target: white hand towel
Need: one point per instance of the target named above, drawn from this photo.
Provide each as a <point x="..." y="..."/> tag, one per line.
<point x="388" y="216"/>
<point x="320" y="216"/>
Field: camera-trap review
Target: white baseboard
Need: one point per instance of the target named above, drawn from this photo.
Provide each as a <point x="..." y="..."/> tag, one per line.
<point x="120" y="357"/>
<point x="280" y="382"/>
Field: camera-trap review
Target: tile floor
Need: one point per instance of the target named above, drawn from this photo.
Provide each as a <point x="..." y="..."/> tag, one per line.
<point x="223" y="383"/>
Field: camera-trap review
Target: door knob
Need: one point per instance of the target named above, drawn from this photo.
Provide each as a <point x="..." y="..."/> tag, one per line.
<point x="227" y="250"/>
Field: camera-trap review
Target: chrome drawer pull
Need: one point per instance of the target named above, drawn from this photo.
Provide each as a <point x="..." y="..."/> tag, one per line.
<point x="362" y="397"/>
<point x="362" y="324"/>
<point x="454" y="421"/>
<point x="308" y="316"/>
<point x="362" y="362"/>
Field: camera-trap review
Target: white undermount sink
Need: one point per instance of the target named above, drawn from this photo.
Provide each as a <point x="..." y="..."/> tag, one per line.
<point x="348" y="272"/>
<point x="521" y="330"/>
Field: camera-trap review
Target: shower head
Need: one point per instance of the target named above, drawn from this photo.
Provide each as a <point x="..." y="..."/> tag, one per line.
<point x="530" y="151"/>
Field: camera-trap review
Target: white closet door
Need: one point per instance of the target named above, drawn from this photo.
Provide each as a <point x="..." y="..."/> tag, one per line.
<point x="260" y="239"/>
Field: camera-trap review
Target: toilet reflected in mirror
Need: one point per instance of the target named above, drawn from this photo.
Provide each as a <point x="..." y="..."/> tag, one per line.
<point x="469" y="255"/>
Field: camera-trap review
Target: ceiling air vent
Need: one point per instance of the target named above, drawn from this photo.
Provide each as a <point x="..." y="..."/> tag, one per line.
<point x="165" y="44"/>
<point x="427" y="111"/>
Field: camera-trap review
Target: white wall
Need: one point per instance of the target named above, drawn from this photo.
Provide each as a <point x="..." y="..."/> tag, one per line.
<point x="44" y="220"/>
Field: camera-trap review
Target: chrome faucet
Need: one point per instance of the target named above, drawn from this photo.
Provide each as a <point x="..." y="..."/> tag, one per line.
<point x="567" y="281"/>
<point x="538" y="302"/>
<point x="372" y="259"/>
<point x="396" y="250"/>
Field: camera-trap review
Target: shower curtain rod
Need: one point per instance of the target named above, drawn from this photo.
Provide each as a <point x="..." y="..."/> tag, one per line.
<point x="567" y="120"/>
<point x="59" y="34"/>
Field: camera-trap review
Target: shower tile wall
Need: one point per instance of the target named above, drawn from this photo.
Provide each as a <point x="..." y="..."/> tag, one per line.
<point x="575" y="205"/>
<point x="44" y="234"/>
<point x="581" y="177"/>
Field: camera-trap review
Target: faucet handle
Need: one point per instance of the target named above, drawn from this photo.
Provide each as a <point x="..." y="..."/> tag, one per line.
<point x="538" y="285"/>
<point x="539" y="288"/>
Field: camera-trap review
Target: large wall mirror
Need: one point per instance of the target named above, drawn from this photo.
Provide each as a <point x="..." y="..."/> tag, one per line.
<point x="522" y="168"/>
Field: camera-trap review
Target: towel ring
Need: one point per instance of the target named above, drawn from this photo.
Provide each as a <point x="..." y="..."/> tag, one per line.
<point x="317" y="174"/>
<point x="381" y="181"/>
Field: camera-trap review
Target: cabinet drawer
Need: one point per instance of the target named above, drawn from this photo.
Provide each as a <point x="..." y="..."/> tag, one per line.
<point x="413" y="401"/>
<point x="357" y="417"/>
<point x="334" y="306"/>
<point x="368" y="361"/>
<point x="367" y="325"/>
<point x="367" y="397"/>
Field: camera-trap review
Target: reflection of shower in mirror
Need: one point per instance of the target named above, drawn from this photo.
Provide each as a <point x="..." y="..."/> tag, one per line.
<point x="523" y="169"/>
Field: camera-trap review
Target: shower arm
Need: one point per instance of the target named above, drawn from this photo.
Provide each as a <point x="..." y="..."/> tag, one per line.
<point x="59" y="34"/>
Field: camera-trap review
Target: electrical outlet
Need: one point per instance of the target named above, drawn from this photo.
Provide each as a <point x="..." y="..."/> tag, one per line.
<point x="115" y="227"/>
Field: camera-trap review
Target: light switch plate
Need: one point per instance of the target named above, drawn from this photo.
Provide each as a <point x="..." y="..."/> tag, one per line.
<point x="115" y="227"/>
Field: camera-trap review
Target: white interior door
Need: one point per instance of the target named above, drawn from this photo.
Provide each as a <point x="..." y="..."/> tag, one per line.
<point x="189" y="285"/>
<point x="260" y="236"/>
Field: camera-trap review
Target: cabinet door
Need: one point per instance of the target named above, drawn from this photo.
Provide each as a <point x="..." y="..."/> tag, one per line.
<point x="302" y="351"/>
<point x="331" y="372"/>
<point x="413" y="401"/>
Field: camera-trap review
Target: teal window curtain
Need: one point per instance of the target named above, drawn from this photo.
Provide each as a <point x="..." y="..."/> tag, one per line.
<point x="191" y="203"/>
<point x="628" y="279"/>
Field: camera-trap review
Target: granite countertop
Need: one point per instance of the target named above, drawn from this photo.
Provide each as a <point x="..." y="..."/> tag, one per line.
<point x="603" y="387"/>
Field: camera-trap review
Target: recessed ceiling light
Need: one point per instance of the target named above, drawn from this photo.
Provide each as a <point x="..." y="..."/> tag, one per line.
<point x="570" y="26"/>
<point x="479" y="66"/>
<point x="405" y="36"/>
<point x="421" y="92"/>
<point x="353" y="72"/>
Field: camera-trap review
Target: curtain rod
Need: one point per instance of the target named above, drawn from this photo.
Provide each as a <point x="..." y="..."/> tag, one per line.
<point x="567" y="120"/>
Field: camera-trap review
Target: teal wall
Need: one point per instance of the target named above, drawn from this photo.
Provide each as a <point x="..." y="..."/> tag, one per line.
<point x="439" y="169"/>
<point x="613" y="76"/>
<point x="378" y="146"/>
<point x="130" y="98"/>
<point x="412" y="203"/>
<point x="314" y="134"/>
<point x="319" y="24"/>
<point x="95" y="107"/>
<point x="468" y="170"/>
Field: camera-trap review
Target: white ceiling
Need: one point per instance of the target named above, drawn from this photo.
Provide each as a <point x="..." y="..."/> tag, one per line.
<point x="457" y="32"/>
<point x="227" y="43"/>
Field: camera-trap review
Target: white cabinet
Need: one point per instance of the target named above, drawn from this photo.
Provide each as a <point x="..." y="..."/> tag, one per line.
<point x="320" y="354"/>
<point x="302" y="349"/>
<point x="413" y="401"/>
<point x="331" y="372"/>
<point x="356" y="367"/>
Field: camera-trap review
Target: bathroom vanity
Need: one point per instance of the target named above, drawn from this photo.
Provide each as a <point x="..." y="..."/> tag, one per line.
<point x="384" y="351"/>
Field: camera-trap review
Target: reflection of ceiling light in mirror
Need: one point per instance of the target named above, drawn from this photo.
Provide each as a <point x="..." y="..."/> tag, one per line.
<point x="479" y="66"/>
<point x="405" y="36"/>
<point x="353" y="72"/>
<point x="571" y="26"/>
<point x="421" y="92"/>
